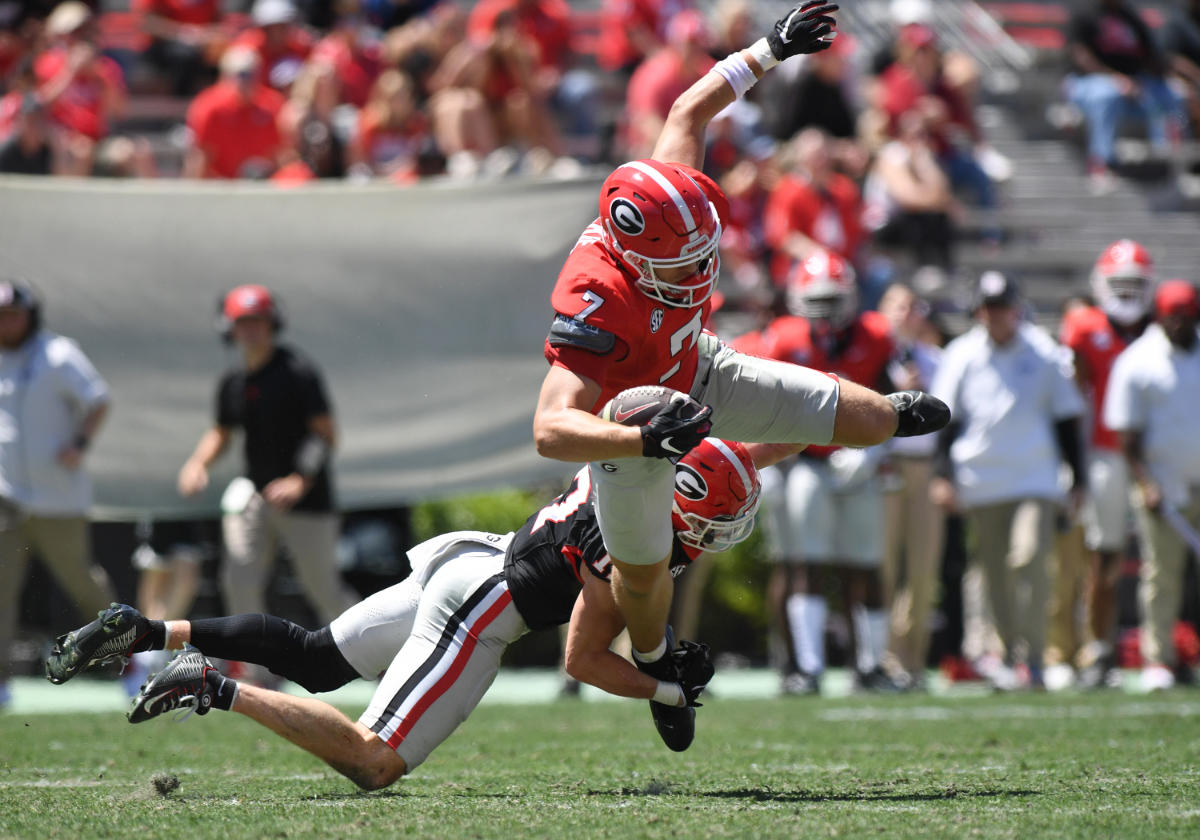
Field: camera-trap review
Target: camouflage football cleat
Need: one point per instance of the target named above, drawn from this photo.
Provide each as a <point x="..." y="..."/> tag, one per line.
<point x="189" y="682"/>
<point x="117" y="633"/>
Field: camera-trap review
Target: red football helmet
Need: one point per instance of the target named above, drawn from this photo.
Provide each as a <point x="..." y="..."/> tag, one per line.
<point x="656" y="216"/>
<point x="248" y="302"/>
<point x="716" y="495"/>
<point x="823" y="288"/>
<point x="1123" y="281"/>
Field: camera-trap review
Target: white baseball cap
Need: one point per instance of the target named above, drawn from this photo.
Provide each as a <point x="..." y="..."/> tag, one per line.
<point x="268" y="12"/>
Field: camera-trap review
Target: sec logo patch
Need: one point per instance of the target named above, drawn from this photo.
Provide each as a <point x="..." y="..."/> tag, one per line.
<point x="656" y="319"/>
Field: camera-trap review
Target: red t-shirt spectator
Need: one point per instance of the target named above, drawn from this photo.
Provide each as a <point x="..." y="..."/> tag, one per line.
<point x="293" y="174"/>
<point x="232" y="131"/>
<point x="545" y="22"/>
<point x="657" y="83"/>
<point x="81" y="106"/>
<point x="621" y="17"/>
<point x="10" y="107"/>
<point x="901" y="89"/>
<point x="391" y="149"/>
<point x="282" y="63"/>
<point x="196" y="12"/>
<point x="831" y="217"/>
<point x="356" y="68"/>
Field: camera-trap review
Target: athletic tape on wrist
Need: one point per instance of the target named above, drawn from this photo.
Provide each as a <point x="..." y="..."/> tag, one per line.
<point x="668" y="693"/>
<point x="761" y="50"/>
<point x="734" y="69"/>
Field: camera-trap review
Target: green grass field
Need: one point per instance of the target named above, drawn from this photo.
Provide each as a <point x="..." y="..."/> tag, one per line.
<point x="1024" y="766"/>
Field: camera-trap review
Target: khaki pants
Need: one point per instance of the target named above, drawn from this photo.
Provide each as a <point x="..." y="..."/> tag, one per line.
<point x="251" y="540"/>
<point x="62" y="544"/>
<point x="1161" y="587"/>
<point x="1012" y="541"/>
<point x="914" y="531"/>
<point x="1066" y="634"/>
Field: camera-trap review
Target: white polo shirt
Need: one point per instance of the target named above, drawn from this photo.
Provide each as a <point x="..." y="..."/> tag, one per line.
<point x="1007" y="399"/>
<point x="47" y="387"/>
<point x="1154" y="388"/>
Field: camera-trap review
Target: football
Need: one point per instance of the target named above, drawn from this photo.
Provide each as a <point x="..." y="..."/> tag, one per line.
<point x="637" y="406"/>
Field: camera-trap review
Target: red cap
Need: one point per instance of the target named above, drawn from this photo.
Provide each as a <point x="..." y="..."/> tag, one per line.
<point x="1174" y="296"/>
<point x="248" y="302"/>
<point x="918" y="35"/>
<point x="688" y="27"/>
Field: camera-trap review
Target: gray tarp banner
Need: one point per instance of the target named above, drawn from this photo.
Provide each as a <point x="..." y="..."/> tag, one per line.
<point x="426" y="307"/>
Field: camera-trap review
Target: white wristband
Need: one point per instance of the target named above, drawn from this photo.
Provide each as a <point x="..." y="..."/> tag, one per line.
<point x="669" y="694"/>
<point x="761" y="50"/>
<point x="734" y="69"/>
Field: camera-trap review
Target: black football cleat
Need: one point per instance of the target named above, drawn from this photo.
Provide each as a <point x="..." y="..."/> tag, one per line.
<point x="918" y="413"/>
<point x="800" y="684"/>
<point x="117" y="633"/>
<point x="676" y="725"/>
<point x="189" y="681"/>
<point x="879" y="681"/>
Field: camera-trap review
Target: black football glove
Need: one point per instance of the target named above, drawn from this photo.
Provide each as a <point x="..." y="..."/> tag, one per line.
<point x="802" y="29"/>
<point x="918" y="413"/>
<point x="671" y="435"/>
<point x="693" y="663"/>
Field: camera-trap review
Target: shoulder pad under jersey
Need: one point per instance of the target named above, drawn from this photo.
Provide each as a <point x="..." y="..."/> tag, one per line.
<point x="568" y="332"/>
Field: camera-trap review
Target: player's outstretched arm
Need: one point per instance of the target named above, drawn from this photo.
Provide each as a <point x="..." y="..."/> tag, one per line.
<point x="808" y="27"/>
<point x="595" y="622"/>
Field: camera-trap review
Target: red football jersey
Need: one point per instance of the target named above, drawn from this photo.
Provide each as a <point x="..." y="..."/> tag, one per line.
<point x="655" y="344"/>
<point x="1090" y="335"/>
<point x="861" y="358"/>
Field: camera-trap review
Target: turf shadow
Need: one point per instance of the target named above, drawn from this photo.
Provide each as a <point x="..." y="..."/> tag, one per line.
<point x="767" y="795"/>
<point x="861" y="796"/>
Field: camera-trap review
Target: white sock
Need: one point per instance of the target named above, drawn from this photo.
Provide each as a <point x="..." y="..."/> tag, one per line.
<point x="806" y="622"/>
<point x="652" y="656"/>
<point x="871" y="630"/>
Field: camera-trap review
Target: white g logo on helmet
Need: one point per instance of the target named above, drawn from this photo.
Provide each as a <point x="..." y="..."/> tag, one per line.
<point x="689" y="483"/>
<point x="626" y="216"/>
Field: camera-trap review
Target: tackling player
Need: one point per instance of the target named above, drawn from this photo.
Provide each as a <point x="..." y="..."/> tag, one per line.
<point x="1123" y="286"/>
<point x="826" y="509"/>
<point x="631" y="307"/>
<point x="437" y="637"/>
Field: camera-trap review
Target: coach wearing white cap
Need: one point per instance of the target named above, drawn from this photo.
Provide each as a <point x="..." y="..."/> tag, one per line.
<point x="52" y="402"/>
<point x="1016" y="410"/>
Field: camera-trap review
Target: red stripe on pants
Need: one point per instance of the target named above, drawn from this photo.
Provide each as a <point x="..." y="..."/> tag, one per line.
<point x="456" y="668"/>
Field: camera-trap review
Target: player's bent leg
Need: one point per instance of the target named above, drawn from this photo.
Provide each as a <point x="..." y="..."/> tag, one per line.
<point x="633" y="509"/>
<point x="313" y="725"/>
<point x="864" y="417"/>
<point x="643" y="595"/>
<point x="465" y="621"/>
<point x="309" y="658"/>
